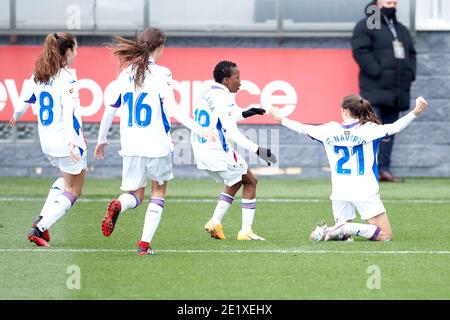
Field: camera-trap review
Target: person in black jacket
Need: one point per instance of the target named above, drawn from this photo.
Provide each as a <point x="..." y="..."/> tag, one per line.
<point x="386" y="56"/>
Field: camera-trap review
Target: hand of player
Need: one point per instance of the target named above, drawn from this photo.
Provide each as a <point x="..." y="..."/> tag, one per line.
<point x="421" y="104"/>
<point x="74" y="152"/>
<point x="12" y="122"/>
<point x="253" y="111"/>
<point x="275" y="113"/>
<point x="266" y="155"/>
<point x="99" y="153"/>
<point x="208" y="134"/>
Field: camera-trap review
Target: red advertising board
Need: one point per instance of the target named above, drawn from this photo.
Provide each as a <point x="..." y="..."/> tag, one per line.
<point x="308" y="84"/>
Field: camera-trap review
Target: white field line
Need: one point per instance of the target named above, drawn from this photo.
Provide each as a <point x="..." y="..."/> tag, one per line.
<point x="213" y="200"/>
<point x="231" y="251"/>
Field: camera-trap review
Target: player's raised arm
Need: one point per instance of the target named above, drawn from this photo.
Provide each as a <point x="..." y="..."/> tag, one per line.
<point x="402" y="123"/>
<point x="313" y="131"/>
<point x="241" y="115"/>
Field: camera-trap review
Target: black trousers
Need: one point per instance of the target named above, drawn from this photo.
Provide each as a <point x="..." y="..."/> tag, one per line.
<point x="386" y="115"/>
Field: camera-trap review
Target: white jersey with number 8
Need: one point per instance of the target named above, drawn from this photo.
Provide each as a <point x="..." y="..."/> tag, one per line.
<point x="57" y="105"/>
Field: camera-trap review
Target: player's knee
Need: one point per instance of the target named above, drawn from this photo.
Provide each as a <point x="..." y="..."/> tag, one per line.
<point x="389" y="237"/>
<point x="250" y="181"/>
<point x="385" y="236"/>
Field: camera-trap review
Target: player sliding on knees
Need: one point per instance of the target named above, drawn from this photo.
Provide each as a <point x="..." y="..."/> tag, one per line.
<point x="216" y="110"/>
<point x="54" y="90"/>
<point x="146" y="97"/>
<point x="351" y="148"/>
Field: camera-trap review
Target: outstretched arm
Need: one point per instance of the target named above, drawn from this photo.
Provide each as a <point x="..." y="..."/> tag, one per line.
<point x="315" y="132"/>
<point x="250" y="113"/>
<point x="402" y="123"/>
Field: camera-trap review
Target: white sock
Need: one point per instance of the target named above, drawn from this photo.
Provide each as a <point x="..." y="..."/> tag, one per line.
<point x="368" y="231"/>
<point x="56" y="210"/>
<point x="128" y="201"/>
<point x="224" y="203"/>
<point x="55" y="191"/>
<point x="248" y="213"/>
<point x="152" y="219"/>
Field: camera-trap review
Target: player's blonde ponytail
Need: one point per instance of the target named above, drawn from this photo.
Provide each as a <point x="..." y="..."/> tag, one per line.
<point x="53" y="56"/>
<point x="137" y="52"/>
<point x="360" y="109"/>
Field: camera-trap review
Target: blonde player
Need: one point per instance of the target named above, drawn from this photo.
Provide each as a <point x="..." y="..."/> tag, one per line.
<point x="216" y="110"/>
<point x="351" y="148"/>
<point x="145" y="98"/>
<point x="54" y="92"/>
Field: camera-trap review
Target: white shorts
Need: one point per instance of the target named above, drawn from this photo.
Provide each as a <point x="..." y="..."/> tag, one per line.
<point x="137" y="170"/>
<point x="236" y="167"/>
<point x="67" y="165"/>
<point x="345" y="210"/>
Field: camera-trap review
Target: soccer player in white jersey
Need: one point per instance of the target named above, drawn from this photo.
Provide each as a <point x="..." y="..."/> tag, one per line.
<point x="54" y="92"/>
<point x="147" y="100"/>
<point x="216" y="110"/>
<point x="351" y="148"/>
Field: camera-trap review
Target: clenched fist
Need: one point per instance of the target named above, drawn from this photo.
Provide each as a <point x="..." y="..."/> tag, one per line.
<point x="421" y="104"/>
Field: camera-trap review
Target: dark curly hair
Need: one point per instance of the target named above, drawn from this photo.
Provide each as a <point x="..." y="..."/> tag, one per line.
<point x="223" y="70"/>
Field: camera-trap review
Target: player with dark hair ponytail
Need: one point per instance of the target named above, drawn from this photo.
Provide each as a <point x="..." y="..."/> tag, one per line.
<point x="148" y="45"/>
<point x="54" y="90"/>
<point x="144" y="90"/>
<point x="360" y="109"/>
<point x="53" y="56"/>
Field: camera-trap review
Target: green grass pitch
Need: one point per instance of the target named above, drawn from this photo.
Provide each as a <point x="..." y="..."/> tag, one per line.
<point x="189" y="265"/>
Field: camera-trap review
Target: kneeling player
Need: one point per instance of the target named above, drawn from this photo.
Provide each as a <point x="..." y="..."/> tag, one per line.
<point x="351" y="148"/>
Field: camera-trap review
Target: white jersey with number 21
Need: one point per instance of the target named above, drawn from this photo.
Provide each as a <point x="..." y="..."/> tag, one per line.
<point x="351" y="150"/>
